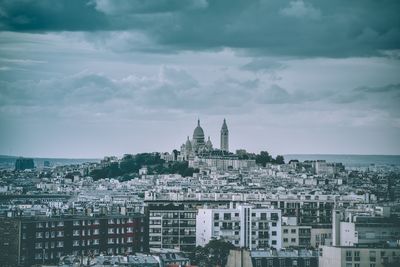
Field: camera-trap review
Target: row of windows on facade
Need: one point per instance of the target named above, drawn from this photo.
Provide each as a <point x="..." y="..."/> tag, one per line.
<point x="281" y="262"/>
<point x="84" y="222"/>
<point x="57" y="255"/>
<point x="350" y="256"/>
<point x="174" y="222"/>
<point x="228" y="216"/>
<point x="174" y="215"/>
<point x="88" y="232"/>
<point x="77" y="243"/>
<point x="52" y="234"/>
<point x="173" y="231"/>
<point x="58" y="244"/>
<point x="301" y="231"/>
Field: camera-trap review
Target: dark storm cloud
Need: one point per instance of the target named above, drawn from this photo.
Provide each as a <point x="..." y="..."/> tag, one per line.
<point x="296" y="28"/>
<point x="48" y="15"/>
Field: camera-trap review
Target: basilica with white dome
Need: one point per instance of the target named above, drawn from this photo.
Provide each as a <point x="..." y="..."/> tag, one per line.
<point x="197" y="145"/>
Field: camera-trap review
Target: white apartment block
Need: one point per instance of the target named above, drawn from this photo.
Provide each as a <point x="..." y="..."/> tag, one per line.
<point x="243" y="226"/>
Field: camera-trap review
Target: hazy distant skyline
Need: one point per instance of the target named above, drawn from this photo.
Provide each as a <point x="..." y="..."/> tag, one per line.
<point x="86" y="79"/>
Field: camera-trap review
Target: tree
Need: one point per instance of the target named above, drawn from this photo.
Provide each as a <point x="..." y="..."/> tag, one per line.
<point x="263" y="158"/>
<point x="215" y="253"/>
<point x="279" y="159"/>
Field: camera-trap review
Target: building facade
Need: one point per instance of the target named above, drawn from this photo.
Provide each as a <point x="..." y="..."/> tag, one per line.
<point x="370" y="256"/>
<point x="46" y="239"/>
<point x="172" y="226"/>
<point x="243" y="226"/>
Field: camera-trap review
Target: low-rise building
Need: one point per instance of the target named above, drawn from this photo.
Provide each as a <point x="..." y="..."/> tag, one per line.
<point x="359" y="256"/>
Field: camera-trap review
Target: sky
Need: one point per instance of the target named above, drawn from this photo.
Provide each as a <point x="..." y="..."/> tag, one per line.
<point x="86" y="79"/>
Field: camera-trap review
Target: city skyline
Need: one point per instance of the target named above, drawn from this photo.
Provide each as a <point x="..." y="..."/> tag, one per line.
<point x="290" y="77"/>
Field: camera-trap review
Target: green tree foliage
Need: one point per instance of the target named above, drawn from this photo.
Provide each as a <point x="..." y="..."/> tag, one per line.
<point x="264" y="157"/>
<point x="130" y="164"/>
<point x="279" y="159"/>
<point x="215" y="253"/>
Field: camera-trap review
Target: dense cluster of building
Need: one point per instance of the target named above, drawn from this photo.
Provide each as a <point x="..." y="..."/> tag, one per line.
<point x="312" y="213"/>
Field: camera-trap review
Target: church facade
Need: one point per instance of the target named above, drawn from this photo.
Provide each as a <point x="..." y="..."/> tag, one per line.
<point x="198" y="146"/>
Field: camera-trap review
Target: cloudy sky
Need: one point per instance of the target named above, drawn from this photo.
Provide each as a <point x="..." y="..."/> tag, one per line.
<point x="100" y="77"/>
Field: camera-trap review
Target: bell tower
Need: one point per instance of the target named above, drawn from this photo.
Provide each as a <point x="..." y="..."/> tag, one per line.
<point x="224" y="137"/>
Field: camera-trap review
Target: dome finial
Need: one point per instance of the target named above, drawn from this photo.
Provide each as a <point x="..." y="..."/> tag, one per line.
<point x="198" y="122"/>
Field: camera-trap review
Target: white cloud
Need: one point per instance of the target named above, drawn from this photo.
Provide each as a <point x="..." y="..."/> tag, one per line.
<point x="301" y="9"/>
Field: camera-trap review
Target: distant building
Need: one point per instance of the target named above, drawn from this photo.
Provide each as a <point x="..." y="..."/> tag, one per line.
<point x="244" y="226"/>
<point x="24" y="163"/>
<point x="199" y="146"/>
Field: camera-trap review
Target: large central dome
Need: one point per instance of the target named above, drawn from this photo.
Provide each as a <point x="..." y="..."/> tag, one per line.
<point x="198" y="134"/>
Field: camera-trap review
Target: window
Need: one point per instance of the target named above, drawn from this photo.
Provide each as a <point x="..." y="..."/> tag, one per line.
<point x="285" y="240"/>
<point x="60" y="244"/>
<point x="60" y="224"/>
<point x="356" y="265"/>
<point x="263" y="216"/>
<point x="227" y="216"/>
<point x="273" y="233"/>
<point x="285" y="231"/>
<point x="76" y="223"/>
<point x="96" y="222"/>
<point x="39" y="225"/>
<point x="95" y="241"/>
<point x="293" y="231"/>
<point x="39" y="235"/>
<point x="349" y="255"/>
<point x="75" y="243"/>
<point x="356" y="255"/>
<point x="60" y="233"/>
<point x="110" y="221"/>
<point x="273" y="242"/>
<point x="75" y="233"/>
<point x="96" y="231"/>
<point x="293" y="240"/>
<point x="216" y="224"/>
<point x="110" y="241"/>
<point x="372" y="256"/>
<point x="274" y="224"/>
<point x="38" y="245"/>
<point x="129" y="240"/>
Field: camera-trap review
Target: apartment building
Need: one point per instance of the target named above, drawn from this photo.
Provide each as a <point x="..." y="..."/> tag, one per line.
<point x="172" y="226"/>
<point x="46" y="239"/>
<point x="356" y="256"/>
<point x="244" y="226"/>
